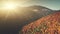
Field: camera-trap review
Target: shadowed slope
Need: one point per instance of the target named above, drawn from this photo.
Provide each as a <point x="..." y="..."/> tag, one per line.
<point x="33" y="13"/>
<point x="24" y="15"/>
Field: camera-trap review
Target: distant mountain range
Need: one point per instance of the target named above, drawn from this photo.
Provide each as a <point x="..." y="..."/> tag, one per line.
<point x="24" y="16"/>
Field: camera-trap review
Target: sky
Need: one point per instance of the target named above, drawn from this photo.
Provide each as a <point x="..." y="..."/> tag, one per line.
<point x="52" y="4"/>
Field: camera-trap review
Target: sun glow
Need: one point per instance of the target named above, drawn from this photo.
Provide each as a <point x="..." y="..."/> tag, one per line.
<point x="9" y="6"/>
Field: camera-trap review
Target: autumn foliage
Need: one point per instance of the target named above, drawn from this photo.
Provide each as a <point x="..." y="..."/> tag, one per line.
<point x="46" y="25"/>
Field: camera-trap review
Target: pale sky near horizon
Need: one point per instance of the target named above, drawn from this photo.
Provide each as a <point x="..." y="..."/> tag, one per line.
<point x="52" y="4"/>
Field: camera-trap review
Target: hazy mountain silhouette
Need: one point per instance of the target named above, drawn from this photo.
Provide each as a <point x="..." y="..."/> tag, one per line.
<point x="45" y="25"/>
<point x="15" y="21"/>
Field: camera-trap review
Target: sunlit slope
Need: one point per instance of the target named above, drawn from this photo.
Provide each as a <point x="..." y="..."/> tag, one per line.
<point x="46" y="25"/>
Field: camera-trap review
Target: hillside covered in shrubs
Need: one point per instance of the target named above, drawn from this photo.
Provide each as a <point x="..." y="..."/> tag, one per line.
<point x="46" y="25"/>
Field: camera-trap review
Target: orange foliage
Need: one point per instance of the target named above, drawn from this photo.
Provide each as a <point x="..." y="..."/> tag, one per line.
<point x="46" y="25"/>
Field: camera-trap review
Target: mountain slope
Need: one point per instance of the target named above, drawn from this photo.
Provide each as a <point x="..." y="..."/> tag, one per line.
<point x="33" y="13"/>
<point x="24" y="15"/>
<point x="46" y="25"/>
